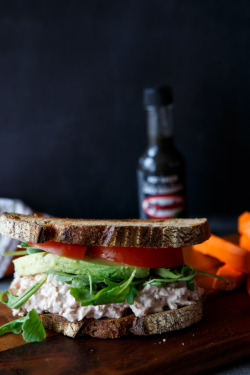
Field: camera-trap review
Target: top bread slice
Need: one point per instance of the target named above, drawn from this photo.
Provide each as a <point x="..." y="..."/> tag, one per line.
<point x="136" y="233"/>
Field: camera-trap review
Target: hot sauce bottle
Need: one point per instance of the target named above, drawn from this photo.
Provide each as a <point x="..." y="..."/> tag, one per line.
<point x="161" y="169"/>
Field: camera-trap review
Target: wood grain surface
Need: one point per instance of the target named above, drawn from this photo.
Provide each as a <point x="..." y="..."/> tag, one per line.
<point x="221" y="338"/>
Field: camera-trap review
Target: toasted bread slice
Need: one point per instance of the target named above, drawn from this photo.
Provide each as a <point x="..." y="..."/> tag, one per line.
<point x="137" y="233"/>
<point x="106" y="328"/>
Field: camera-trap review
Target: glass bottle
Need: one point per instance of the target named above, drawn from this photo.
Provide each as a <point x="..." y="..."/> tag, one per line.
<point x="161" y="169"/>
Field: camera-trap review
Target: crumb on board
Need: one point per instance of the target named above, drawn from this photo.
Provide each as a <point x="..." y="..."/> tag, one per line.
<point x="159" y="342"/>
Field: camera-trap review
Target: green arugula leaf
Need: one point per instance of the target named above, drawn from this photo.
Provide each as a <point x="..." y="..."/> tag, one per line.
<point x="109" y="282"/>
<point x="112" y="294"/>
<point x="33" y="330"/>
<point x="23" y="245"/>
<point x="30" y="249"/>
<point x="62" y="276"/>
<point x="211" y="275"/>
<point x="182" y="273"/>
<point x="15" y="326"/>
<point x="31" y="325"/>
<point x="15" y="253"/>
<point x="82" y="294"/>
<point x="165" y="273"/>
<point x="15" y="302"/>
<point x="158" y="282"/>
<point x="190" y="285"/>
<point x="76" y="281"/>
<point x="133" y="292"/>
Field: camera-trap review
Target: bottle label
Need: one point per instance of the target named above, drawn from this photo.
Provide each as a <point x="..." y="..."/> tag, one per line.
<point x="160" y="197"/>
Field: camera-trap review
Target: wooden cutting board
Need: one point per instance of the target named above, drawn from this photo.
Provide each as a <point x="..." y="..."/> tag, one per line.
<point x="221" y="338"/>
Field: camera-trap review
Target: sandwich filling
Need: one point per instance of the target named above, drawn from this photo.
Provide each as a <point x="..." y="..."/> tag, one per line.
<point x="54" y="297"/>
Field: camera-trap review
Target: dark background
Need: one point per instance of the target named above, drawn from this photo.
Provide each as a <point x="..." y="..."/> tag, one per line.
<point x="72" y="125"/>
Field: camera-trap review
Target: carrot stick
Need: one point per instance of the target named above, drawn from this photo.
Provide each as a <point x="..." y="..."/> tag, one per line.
<point x="244" y="223"/>
<point x="234" y="278"/>
<point x="248" y="284"/>
<point x="244" y="241"/>
<point x="226" y="252"/>
<point x="244" y="218"/>
<point x="203" y="263"/>
<point x="199" y="261"/>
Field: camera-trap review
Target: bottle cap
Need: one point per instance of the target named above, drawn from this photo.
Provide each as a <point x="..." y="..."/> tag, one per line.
<point x="157" y="95"/>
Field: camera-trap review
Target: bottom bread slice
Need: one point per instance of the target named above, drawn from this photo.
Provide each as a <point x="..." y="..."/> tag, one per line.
<point x="166" y="321"/>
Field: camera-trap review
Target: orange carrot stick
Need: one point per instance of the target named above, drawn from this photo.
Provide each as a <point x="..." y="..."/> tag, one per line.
<point x="226" y="252"/>
<point x="244" y="218"/>
<point x="199" y="261"/>
<point x="248" y="284"/>
<point x="234" y="278"/>
<point x="244" y="241"/>
<point x="244" y="223"/>
<point x="203" y="263"/>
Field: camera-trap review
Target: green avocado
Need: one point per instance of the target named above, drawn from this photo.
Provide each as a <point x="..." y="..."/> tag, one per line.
<point x="96" y="267"/>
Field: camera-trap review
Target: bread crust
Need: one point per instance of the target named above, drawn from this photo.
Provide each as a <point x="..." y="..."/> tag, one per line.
<point x="107" y="328"/>
<point x="125" y="233"/>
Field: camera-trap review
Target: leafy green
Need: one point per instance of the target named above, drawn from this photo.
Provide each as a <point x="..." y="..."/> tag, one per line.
<point x="30" y="249"/>
<point x="211" y="275"/>
<point x="96" y="291"/>
<point x="33" y="330"/>
<point x="76" y="281"/>
<point x="15" y="326"/>
<point x="83" y="295"/>
<point x="23" y="245"/>
<point x="115" y="293"/>
<point x="15" y="253"/>
<point x="31" y="325"/>
<point x="179" y="273"/>
<point x="15" y="302"/>
<point x="133" y="292"/>
<point x="86" y="288"/>
<point x="166" y="273"/>
<point x="182" y="273"/>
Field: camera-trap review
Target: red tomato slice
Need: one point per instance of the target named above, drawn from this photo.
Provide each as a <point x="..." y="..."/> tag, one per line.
<point x="140" y="256"/>
<point x="64" y="249"/>
<point x="134" y="256"/>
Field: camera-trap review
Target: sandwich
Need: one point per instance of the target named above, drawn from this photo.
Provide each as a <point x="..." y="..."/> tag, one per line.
<point x="104" y="278"/>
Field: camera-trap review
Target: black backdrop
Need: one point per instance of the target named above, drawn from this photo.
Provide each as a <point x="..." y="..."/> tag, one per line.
<point x="72" y="124"/>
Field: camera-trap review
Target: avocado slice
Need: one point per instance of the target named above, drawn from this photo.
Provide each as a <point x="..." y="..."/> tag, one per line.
<point x="96" y="267"/>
